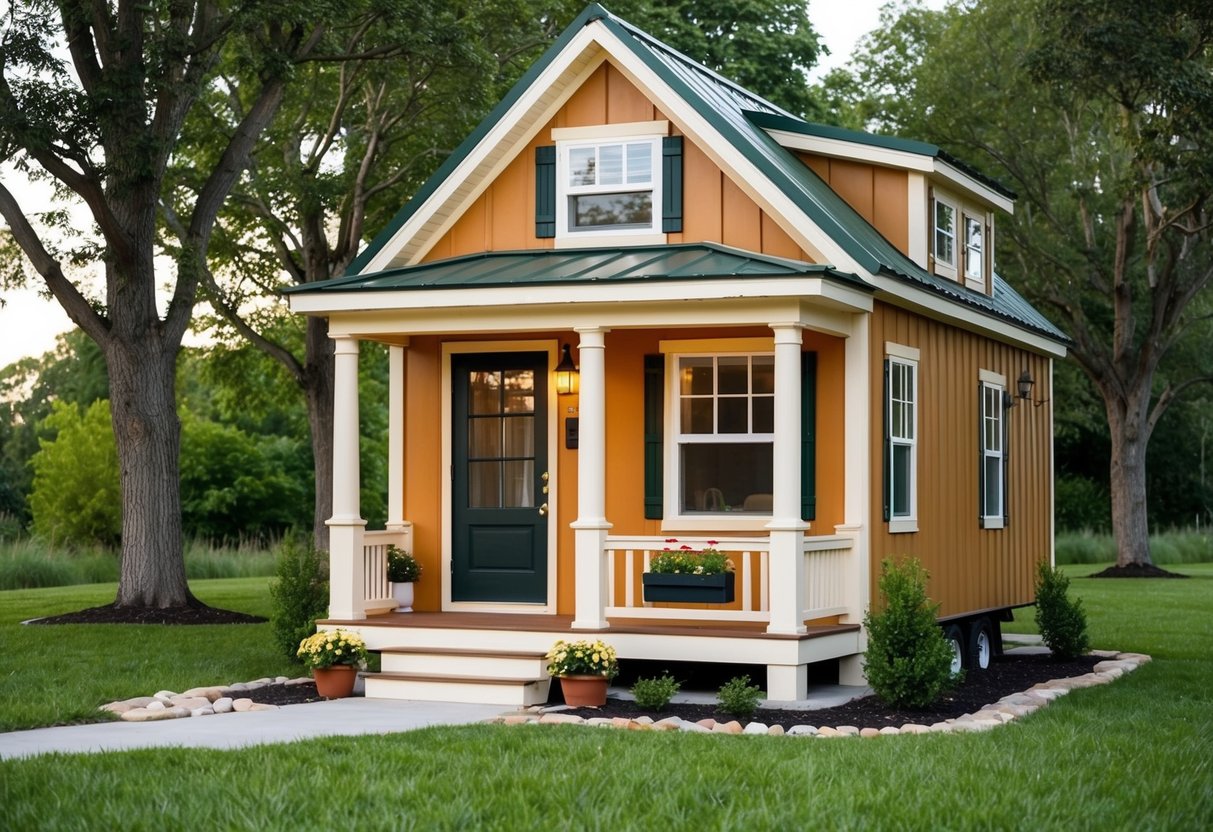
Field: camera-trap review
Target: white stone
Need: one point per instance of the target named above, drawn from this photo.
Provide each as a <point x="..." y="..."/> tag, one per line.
<point x="207" y="711"/>
<point x="889" y="730"/>
<point x="280" y="680"/>
<point x="164" y="695"/>
<point x="756" y="728"/>
<point x="240" y="705"/>
<point x="848" y="730"/>
<point x="300" y="680"/>
<point x="262" y="706"/>
<point x="158" y="705"/>
<point x="124" y="705"/>
<point x="802" y="731"/>
<point x="693" y="728"/>
<point x="223" y="705"/>
<point x="561" y="719"/>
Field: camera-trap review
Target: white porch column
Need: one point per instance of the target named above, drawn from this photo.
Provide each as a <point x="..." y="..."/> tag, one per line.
<point x="395" y="445"/>
<point x="346" y="525"/>
<point x="590" y="527"/>
<point x="857" y="490"/>
<point x="786" y="527"/>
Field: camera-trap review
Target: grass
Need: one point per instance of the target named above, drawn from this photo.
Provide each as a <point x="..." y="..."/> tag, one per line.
<point x="1135" y="754"/>
<point x="1166" y="548"/>
<point x="29" y="563"/>
<point x="61" y="674"/>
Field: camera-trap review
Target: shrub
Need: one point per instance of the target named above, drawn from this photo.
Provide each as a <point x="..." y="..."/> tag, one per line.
<point x="655" y="694"/>
<point x="1061" y="621"/>
<point x="739" y="697"/>
<point x="908" y="661"/>
<point x="300" y="595"/>
<point x="402" y="567"/>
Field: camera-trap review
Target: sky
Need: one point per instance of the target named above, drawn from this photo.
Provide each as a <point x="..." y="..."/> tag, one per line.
<point x="29" y="323"/>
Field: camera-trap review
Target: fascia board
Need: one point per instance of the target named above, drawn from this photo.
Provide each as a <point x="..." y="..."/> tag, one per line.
<point x="888" y="157"/>
<point x="974" y="320"/>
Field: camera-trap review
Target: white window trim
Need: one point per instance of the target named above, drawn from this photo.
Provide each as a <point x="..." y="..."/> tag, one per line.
<point x="943" y="268"/>
<point x="909" y="356"/>
<point x="673" y="520"/>
<point x="631" y="235"/>
<point x="993" y="381"/>
<point x="978" y="282"/>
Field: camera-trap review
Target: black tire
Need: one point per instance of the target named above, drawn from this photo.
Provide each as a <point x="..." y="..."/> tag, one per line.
<point x="955" y="638"/>
<point x="980" y="645"/>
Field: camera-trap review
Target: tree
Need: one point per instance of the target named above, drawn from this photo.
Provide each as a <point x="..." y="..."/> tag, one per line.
<point x="767" y="46"/>
<point x="75" y="495"/>
<point x="354" y="140"/>
<point x="1100" y="115"/>
<point x="104" y="125"/>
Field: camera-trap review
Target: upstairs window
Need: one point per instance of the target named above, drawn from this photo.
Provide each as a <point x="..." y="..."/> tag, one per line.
<point x="974" y="250"/>
<point x="944" y="244"/>
<point x="609" y="187"/>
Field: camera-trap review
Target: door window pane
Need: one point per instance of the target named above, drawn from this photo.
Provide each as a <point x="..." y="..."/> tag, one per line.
<point x="518" y="480"/>
<point x="484" y="437"/>
<point x="519" y="391"/>
<point x="485" y="392"/>
<point x="520" y="436"/>
<point x="484" y="484"/>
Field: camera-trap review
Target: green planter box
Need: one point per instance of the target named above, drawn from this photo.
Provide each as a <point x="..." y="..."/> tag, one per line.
<point x="689" y="589"/>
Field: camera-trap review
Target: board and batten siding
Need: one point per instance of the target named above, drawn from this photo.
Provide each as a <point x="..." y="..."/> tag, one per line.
<point x="715" y="209"/>
<point x="971" y="568"/>
<point x="879" y="195"/>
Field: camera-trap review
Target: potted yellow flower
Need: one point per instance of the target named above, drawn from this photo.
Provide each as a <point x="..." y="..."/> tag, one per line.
<point x="402" y="570"/>
<point x="334" y="657"/>
<point x="584" y="669"/>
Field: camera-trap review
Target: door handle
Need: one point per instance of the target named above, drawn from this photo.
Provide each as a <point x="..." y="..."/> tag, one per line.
<point x="543" y="510"/>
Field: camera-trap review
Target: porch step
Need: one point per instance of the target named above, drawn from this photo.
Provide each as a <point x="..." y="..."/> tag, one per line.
<point x="440" y="687"/>
<point x="457" y="674"/>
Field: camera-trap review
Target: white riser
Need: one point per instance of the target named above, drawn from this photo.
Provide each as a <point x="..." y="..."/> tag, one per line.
<point x="532" y="693"/>
<point x="433" y="663"/>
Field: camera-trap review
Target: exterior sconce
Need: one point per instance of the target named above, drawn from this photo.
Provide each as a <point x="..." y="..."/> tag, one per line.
<point x="566" y="373"/>
<point x="1024" y="385"/>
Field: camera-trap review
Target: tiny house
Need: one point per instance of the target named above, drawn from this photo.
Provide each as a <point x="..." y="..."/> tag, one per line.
<point x="640" y="306"/>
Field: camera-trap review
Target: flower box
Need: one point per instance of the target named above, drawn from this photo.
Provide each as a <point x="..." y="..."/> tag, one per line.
<point x="689" y="589"/>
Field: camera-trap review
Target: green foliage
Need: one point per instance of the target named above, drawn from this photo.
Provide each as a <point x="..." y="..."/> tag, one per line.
<point x="76" y="496"/>
<point x="300" y="594"/>
<point x="688" y="561"/>
<point x="402" y="567"/>
<point x="1062" y="622"/>
<point x="738" y="696"/>
<point x="1168" y="548"/>
<point x="582" y="658"/>
<point x="1081" y="504"/>
<point x="332" y="647"/>
<point x="908" y="660"/>
<point x="654" y="694"/>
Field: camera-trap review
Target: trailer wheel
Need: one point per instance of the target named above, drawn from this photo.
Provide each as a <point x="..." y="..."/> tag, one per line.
<point x="955" y="638"/>
<point x="981" y="644"/>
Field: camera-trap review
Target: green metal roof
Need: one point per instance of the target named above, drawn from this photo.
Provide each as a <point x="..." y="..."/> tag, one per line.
<point x="733" y="112"/>
<point x="691" y="261"/>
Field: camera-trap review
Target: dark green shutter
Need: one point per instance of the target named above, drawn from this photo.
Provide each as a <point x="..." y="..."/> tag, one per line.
<point x="887" y="442"/>
<point x="654" y="423"/>
<point x="671" y="186"/>
<point x="808" y="436"/>
<point x="545" y="191"/>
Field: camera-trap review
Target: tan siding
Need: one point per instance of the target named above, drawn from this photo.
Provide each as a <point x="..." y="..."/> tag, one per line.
<point x="971" y="568"/>
<point x="879" y="195"/>
<point x="740" y="217"/>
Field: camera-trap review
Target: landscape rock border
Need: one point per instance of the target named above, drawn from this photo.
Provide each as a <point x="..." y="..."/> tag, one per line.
<point x="1009" y="708"/>
<point x="203" y="701"/>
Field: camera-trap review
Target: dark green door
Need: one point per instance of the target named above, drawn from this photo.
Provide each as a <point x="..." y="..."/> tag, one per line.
<point x="500" y="471"/>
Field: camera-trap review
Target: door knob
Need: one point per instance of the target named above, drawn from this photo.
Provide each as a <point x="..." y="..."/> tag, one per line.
<point x="543" y="510"/>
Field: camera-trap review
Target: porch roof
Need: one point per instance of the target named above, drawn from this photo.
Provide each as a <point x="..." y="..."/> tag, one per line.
<point x="692" y="261"/>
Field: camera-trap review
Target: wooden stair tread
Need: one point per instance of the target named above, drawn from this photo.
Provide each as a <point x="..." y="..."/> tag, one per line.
<point x="465" y="651"/>
<point x="449" y="677"/>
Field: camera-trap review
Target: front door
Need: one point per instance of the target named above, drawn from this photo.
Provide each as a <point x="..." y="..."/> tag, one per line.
<point x="499" y="533"/>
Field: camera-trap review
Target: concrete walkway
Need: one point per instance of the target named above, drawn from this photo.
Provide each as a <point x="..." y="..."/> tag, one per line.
<point x="341" y="717"/>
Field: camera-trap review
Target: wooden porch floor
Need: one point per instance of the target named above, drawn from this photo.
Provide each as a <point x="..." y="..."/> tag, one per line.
<point x="563" y="624"/>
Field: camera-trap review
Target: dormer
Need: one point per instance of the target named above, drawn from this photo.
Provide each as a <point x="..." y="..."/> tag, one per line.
<point x="935" y="209"/>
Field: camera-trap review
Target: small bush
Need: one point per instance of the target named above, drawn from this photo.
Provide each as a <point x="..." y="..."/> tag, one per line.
<point x="1061" y="621"/>
<point x="655" y="694"/>
<point x="402" y="567"/>
<point x="739" y="697"/>
<point x="908" y="661"/>
<point x="300" y="595"/>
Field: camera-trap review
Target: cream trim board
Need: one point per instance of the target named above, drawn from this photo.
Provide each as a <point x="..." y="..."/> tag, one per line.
<point x="631" y="129"/>
<point x="605" y="237"/>
<point x="551" y="347"/>
<point x="991" y="377"/>
<point x="716" y="346"/>
<point x="894" y="350"/>
<point x="916" y="215"/>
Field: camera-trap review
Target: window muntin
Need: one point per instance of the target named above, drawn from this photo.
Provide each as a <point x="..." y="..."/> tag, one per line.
<point x="944" y="245"/>
<point x="610" y="186"/>
<point x="902" y="438"/>
<point x="974" y="249"/>
<point x="724" y="425"/>
<point x="993" y="454"/>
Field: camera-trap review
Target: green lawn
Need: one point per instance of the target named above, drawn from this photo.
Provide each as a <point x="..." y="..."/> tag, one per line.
<point x="1132" y="755"/>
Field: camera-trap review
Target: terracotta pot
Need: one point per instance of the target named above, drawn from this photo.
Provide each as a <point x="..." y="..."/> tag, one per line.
<point x="584" y="691"/>
<point x="336" y="682"/>
<point x="403" y="593"/>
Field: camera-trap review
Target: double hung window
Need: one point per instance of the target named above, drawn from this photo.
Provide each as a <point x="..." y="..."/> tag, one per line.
<point x="944" y="244"/>
<point x="901" y="443"/>
<point x="993" y="459"/>
<point x="975" y="263"/>
<point x="724" y="433"/>
<point x="610" y="186"/>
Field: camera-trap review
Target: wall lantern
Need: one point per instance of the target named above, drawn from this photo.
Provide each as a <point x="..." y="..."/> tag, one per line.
<point x="1024" y="385"/>
<point x="566" y="373"/>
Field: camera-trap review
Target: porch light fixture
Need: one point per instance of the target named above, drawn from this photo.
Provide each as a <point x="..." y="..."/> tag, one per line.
<point x="566" y="373"/>
<point x="1024" y="385"/>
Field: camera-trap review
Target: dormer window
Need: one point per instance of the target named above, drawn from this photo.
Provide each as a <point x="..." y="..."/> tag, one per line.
<point x="975" y="258"/>
<point x="960" y="240"/>
<point x="945" y="234"/>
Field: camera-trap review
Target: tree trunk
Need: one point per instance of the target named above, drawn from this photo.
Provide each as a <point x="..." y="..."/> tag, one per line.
<point x="318" y="390"/>
<point x="1127" y="426"/>
<point x="148" y="437"/>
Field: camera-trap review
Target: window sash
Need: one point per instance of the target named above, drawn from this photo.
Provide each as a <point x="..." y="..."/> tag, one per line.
<point x="944" y="244"/>
<point x="974" y="249"/>
<point x="993" y="451"/>
<point x="632" y="171"/>
<point x="902" y="438"/>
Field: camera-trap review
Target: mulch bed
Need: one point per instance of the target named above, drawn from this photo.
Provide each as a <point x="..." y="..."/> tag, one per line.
<point x="285" y="694"/>
<point x="1136" y="570"/>
<point x="1006" y="675"/>
<point x="190" y="615"/>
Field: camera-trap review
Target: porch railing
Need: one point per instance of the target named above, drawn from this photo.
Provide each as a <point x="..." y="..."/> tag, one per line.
<point x="376" y="589"/>
<point x="827" y="569"/>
